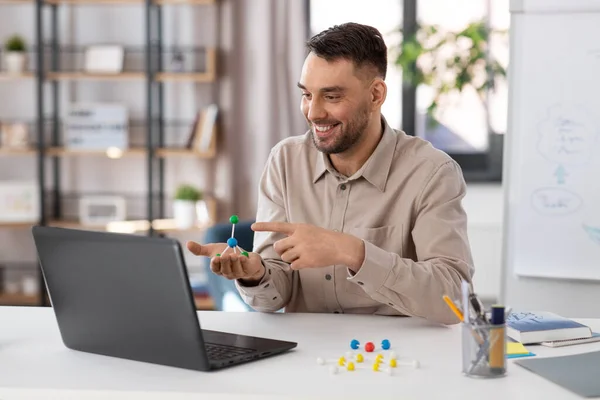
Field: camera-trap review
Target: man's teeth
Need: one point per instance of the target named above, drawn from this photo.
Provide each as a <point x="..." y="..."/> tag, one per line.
<point x="323" y="128"/>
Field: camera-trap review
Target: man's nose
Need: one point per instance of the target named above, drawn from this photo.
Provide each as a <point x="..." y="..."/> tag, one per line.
<point x="316" y="111"/>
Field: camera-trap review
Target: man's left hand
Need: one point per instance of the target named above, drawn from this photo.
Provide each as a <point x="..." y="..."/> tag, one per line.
<point x="309" y="246"/>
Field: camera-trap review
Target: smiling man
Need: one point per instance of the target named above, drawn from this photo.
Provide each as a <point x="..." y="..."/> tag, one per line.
<point x="353" y="216"/>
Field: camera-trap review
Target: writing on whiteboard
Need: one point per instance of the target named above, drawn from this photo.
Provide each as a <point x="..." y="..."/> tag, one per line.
<point x="560" y="174"/>
<point x="555" y="201"/>
<point x="566" y="135"/>
<point x="593" y="232"/>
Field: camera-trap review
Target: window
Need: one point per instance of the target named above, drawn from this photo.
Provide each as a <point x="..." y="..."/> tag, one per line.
<point x="386" y="16"/>
<point x="468" y="126"/>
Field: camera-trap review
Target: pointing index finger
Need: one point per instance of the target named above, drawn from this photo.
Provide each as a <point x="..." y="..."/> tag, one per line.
<point x="280" y="227"/>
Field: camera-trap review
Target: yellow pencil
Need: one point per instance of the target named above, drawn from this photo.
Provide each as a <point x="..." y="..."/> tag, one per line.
<point x="454" y="308"/>
<point x="460" y="316"/>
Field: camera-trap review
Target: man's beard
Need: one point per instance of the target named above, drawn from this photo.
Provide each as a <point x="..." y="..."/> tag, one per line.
<point x="350" y="135"/>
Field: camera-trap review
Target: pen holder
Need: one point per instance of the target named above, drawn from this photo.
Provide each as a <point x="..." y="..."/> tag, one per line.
<point x="484" y="350"/>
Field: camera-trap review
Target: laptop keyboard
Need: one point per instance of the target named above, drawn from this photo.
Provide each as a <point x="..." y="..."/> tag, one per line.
<point x="221" y="352"/>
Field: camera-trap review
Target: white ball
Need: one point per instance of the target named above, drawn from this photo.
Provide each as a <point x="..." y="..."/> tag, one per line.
<point x="348" y="355"/>
<point x="392" y="355"/>
<point x="416" y="364"/>
<point x="389" y="371"/>
<point x="333" y="369"/>
<point x="320" y="361"/>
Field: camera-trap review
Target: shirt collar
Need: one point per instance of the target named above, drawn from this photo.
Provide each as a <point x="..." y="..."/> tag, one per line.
<point x="377" y="167"/>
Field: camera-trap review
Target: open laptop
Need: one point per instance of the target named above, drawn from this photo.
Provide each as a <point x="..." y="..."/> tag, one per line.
<point x="129" y="296"/>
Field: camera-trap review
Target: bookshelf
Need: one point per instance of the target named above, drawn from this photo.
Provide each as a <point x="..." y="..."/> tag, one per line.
<point x="152" y="148"/>
<point x="6" y="77"/>
<point x="73" y="76"/>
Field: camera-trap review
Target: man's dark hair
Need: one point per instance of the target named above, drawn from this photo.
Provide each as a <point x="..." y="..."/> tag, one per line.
<point x="361" y="44"/>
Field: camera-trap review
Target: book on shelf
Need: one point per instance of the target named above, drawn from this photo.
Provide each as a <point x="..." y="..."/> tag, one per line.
<point x="543" y="326"/>
<point x="203" y="129"/>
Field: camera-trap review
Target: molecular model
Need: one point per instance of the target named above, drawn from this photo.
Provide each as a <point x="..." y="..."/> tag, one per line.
<point x="353" y="361"/>
<point x="232" y="242"/>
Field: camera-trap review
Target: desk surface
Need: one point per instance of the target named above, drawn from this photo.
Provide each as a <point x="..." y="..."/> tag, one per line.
<point x="34" y="361"/>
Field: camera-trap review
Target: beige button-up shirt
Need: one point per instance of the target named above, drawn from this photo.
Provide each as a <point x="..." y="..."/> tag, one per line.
<point x="404" y="203"/>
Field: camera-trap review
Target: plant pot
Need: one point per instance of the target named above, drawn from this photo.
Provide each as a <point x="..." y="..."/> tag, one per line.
<point x="15" y="62"/>
<point x="202" y="213"/>
<point x="184" y="212"/>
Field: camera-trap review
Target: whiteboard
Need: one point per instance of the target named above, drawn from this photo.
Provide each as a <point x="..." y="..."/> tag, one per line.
<point x="552" y="153"/>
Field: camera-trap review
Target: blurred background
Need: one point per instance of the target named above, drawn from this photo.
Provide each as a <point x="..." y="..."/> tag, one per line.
<point x="157" y="117"/>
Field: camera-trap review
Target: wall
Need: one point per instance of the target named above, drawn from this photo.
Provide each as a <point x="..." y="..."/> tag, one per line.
<point x="484" y="206"/>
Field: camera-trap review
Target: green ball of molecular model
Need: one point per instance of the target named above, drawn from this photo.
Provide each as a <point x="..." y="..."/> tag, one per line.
<point x="232" y="241"/>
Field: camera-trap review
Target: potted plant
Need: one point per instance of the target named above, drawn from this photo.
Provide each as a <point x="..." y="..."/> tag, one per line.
<point x="15" y="57"/>
<point x="448" y="62"/>
<point x="184" y="206"/>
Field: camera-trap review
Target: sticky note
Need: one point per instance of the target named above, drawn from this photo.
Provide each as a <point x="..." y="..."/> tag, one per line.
<point x="515" y="348"/>
<point x="520" y="355"/>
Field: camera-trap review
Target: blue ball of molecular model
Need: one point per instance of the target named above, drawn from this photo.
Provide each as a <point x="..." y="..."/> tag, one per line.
<point x="232" y="242"/>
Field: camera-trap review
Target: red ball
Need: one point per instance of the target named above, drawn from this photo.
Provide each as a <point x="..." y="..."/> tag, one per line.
<point x="369" y="347"/>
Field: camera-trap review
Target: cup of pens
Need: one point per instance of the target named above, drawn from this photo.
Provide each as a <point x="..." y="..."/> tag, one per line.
<point x="484" y="345"/>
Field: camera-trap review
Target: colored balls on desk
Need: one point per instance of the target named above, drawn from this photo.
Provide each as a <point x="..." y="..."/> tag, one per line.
<point x="234" y="219"/>
<point x="354" y="344"/>
<point x="369" y="347"/>
<point x="385" y="344"/>
<point x="232" y="242"/>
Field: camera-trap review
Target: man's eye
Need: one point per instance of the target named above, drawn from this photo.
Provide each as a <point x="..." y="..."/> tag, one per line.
<point x="307" y="95"/>
<point x="332" y="97"/>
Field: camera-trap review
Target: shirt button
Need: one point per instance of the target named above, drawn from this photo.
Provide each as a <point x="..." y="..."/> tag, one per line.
<point x="328" y="277"/>
<point x="343" y="186"/>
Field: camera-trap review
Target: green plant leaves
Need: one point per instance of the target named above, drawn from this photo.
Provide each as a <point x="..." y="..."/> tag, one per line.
<point x="450" y="61"/>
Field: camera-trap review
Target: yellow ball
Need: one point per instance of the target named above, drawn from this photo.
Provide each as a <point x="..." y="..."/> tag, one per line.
<point x="359" y="358"/>
<point x="341" y="361"/>
<point x="350" y="366"/>
<point x="376" y="366"/>
<point x="393" y="363"/>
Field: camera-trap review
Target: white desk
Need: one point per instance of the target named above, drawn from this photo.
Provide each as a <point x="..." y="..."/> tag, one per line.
<point x="35" y="364"/>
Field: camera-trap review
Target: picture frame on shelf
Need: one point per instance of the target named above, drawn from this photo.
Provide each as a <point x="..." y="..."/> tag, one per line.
<point x="104" y="59"/>
<point x="96" y="126"/>
<point x="19" y="202"/>
<point x="14" y="135"/>
<point x="101" y="210"/>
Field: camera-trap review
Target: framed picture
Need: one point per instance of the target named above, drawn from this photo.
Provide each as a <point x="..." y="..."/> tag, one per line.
<point x="96" y="126"/>
<point x="14" y="135"/>
<point x="104" y="59"/>
<point x="19" y="202"/>
<point x="100" y="210"/>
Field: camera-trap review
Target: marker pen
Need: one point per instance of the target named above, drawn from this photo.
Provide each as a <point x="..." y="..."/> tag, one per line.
<point x="497" y="341"/>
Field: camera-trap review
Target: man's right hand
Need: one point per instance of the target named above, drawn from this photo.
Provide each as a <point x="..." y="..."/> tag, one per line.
<point x="249" y="270"/>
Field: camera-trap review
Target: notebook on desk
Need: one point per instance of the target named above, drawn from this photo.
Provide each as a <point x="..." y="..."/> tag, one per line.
<point x="537" y="327"/>
<point x="570" y="342"/>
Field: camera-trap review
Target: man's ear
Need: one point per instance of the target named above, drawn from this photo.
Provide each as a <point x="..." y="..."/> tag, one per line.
<point x="378" y="93"/>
